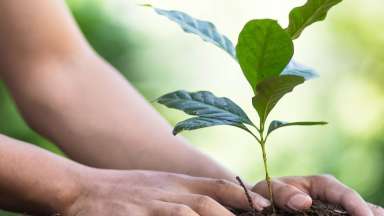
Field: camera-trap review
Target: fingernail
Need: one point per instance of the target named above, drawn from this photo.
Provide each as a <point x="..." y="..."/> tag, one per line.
<point x="299" y="202"/>
<point x="264" y="203"/>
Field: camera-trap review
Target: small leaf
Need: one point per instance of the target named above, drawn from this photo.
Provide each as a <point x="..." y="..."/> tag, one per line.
<point x="204" y="29"/>
<point x="278" y="124"/>
<point x="211" y="110"/>
<point x="264" y="49"/>
<point x="312" y="11"/>
<point x="294" y="68"/>
<point x="270" y="91"/>
<point x="202" y="122"/>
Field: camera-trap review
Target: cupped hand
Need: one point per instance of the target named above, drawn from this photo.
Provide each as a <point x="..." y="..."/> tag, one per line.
<point x="296" y="193"/>
<point x="147" y="193"/>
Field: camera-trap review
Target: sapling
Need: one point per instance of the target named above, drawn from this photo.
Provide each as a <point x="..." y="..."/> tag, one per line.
<point x="264" y="52"/>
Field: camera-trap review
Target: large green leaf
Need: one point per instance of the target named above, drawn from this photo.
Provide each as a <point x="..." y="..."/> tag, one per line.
<point x="264" y="49"/>
<point x="312" y="11"/>
<point x="204" y="29"/>
<point x="278" y="124"/>
<point x="211" y="110"/>
<point x="270" y="91"/>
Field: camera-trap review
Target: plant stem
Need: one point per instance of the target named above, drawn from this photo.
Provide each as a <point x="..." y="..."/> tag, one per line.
<point x="249" y="198"/>
<point x="250" y="132"/>
<point x="265" y="161"/>
<point x="267" y="177"/>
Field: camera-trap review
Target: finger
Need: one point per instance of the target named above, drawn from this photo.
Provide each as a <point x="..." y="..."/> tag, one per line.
<point x="285" y="195"/>
<point x="377" y="210"/>
<point x="166" y="209"/>
<point x="229" y="193"/>
<point x="329" y="189"/>
<point x="203" y="205"/>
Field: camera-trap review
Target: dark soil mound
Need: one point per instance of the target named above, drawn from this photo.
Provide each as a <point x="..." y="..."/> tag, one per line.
<point x="318" y="209"/>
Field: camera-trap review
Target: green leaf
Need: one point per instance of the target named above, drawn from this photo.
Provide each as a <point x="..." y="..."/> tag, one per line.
<point x="270" y="91"/>
<point x="294" y="68"/>
<point x="278" y="124"/>
<point x="204" y="29"/>
<point x="211" y="110"/>
<point x="264" y="49"/>
<point x="312" y="11"/>
<point x="202" y="122"/>
<point x="208" y="32"/>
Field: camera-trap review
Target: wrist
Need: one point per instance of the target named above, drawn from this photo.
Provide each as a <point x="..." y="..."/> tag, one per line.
<point x="70" y="188"/>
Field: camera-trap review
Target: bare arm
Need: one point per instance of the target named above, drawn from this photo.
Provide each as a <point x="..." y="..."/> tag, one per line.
<point x="38" y="182"/>
<point x="32" y="180"/>
<point x="69" y="94"/>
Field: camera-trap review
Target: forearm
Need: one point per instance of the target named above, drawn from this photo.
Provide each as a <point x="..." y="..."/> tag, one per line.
<point x="70" y="95"/>
<point x="100" y="120"/>
<point x="33" y="180"/>
<point x="36" y="182"/>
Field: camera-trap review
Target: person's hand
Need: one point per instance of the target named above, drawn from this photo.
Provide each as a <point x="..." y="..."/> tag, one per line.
<point x="296" y="193"/>
<point x="147" y="193"/>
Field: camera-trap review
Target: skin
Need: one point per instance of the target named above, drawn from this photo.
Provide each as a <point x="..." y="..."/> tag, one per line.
<point x="70" y="95"/>
<point x="296" y="193"/>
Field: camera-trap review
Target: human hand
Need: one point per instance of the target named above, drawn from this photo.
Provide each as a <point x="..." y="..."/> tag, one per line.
<point x="295" y="193"/>
<point x="146" y="193"/>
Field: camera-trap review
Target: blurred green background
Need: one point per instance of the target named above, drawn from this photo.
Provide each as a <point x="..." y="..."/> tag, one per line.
<point x="157" y="57"/>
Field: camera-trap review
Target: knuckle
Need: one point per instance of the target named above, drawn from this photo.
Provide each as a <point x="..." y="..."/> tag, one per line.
<point x="328" y="176"/>
<point x="324" y="178"/>
<point x="171" y="176"/>
<point x="221" y="182"/>
<point x="284" y="187"/>
<point x="262" y="182"/>
<point x="181" y="210"/>
<point x="259" y="185"/>
<point x="203" y="202"/>
<point x="220" y="187"/>
<point x="350" y="192"/>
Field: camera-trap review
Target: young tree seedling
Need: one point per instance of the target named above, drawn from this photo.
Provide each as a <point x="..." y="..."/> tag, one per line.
<point x="264" y="52"/>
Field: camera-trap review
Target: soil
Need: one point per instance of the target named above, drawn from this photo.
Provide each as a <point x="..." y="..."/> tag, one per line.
<point x="318" y="209"/>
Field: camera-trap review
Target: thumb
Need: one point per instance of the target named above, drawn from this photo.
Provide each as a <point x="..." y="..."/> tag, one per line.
<point x="285" y="195"/>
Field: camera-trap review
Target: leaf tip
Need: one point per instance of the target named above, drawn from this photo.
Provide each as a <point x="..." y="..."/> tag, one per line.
<point x="175" y="131"/>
